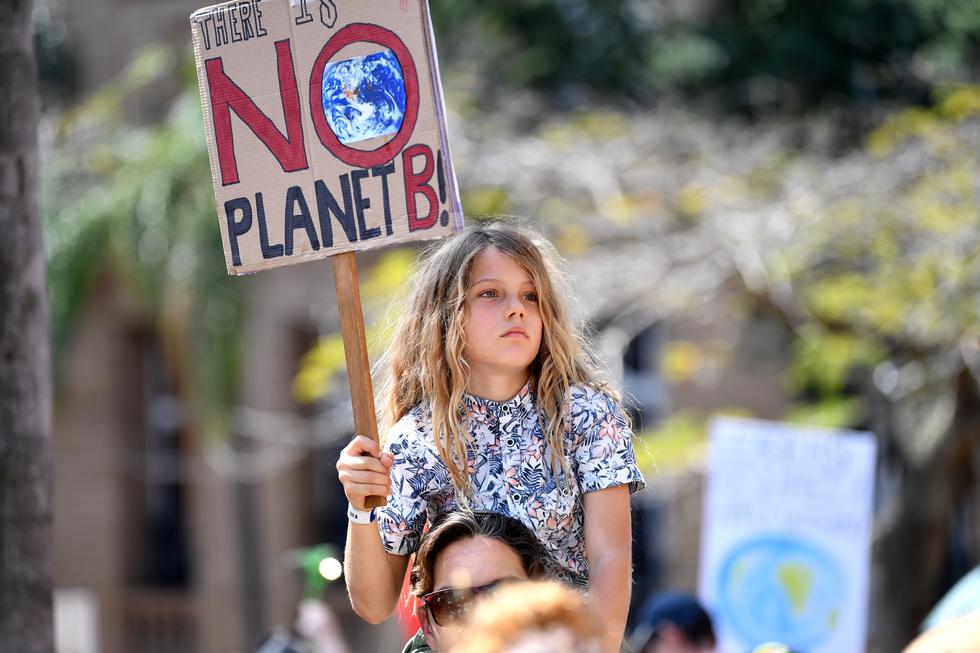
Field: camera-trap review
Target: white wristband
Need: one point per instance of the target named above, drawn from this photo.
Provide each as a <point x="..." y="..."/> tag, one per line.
<point x="361" y="516"/>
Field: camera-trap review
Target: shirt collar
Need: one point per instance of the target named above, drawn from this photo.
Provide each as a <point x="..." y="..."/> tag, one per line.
<point x="486" y="411"/>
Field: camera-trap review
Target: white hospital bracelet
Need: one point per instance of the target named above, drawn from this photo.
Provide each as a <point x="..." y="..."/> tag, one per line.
<point x="360" y="516"/>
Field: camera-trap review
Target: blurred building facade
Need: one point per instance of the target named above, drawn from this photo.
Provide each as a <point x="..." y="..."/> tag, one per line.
<point x="184" y="542"/>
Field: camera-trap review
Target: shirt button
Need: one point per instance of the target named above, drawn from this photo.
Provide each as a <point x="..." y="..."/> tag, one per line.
<point x="510" y="442"/>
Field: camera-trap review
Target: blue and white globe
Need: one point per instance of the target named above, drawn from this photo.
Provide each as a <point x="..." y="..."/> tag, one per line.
<point x="782" y="588"/>
<point x="364" y="97"/>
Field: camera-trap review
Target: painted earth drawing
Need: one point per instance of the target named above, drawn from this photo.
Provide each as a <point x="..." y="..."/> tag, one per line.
<point x="364" y="97"/>
<point x="782" y="588"/>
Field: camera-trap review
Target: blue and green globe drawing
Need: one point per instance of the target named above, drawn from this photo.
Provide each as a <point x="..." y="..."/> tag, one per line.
<point x="778" y="587"/>
<point x="364" y="97"/>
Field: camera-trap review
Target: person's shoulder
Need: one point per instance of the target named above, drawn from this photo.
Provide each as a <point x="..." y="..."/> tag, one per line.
<point x="590" y="406"/>
<point x="411" y="426"/>
<point x="583" y="395"/>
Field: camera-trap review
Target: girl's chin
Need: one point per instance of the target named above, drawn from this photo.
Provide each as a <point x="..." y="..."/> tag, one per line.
<point x="517" y="367"/>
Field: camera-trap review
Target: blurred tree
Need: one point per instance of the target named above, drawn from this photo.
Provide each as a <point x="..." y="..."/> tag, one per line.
<point x="747" y="55"/>
<point x="885" y="303"/>
<point x="25" y="397"/>
<point x="136" y="201"/>
<point x="555" y="45"/>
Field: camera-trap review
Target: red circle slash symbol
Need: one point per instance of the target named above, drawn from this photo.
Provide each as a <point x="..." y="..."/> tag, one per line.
<point x="354" y="33"/>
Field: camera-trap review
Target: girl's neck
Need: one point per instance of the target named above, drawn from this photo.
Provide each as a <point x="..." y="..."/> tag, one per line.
<point x="496" y="387"/>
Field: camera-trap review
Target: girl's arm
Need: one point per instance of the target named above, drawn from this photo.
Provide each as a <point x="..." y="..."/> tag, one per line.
<point x="374" y="576"/>
<point x="608" y="547"/>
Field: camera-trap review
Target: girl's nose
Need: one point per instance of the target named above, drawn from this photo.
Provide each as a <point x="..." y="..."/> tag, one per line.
<point x="515" y="307"/>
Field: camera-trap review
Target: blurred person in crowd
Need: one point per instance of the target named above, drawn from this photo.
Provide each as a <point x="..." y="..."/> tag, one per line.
<point x="531" y="617"/>
<point x="961" y="635"/>
<point x="317" y="623"/>
<point x="672" y="622"/>
<point x="466" y="554"/>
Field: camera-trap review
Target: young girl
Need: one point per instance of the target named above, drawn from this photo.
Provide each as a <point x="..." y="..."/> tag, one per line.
<point x="492" y="402"/>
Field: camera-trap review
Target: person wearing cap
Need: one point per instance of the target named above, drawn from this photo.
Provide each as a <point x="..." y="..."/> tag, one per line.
<point x="672" y="622"/>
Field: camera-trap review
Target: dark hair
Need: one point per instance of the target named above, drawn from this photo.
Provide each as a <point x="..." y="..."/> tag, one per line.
<point x="682" y="610"/>
<point x="461" y="525"/>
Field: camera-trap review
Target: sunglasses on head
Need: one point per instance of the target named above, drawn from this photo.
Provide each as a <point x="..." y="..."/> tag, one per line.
<point x="448" y="606"/>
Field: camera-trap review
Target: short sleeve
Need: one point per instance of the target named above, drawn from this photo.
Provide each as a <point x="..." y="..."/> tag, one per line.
<point x="401" y="521"/>
<point x="604" y="453"/>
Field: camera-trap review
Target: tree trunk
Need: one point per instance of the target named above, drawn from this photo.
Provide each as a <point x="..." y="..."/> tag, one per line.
<point x="911" y="550"/>
<point x="25" y="387"/>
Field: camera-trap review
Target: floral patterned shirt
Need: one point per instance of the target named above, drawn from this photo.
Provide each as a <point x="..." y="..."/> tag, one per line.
<point x="510" y="471"/>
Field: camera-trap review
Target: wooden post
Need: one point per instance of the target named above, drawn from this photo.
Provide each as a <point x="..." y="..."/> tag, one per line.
<point x="355" y="350"/>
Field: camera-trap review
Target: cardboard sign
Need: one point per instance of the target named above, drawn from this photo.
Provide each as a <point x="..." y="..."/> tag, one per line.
<point x="325" y="127"/>
<point x="786" y="541"/>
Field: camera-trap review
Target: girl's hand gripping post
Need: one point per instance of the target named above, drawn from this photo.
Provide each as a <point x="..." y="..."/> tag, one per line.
<point x="364" y="471"/>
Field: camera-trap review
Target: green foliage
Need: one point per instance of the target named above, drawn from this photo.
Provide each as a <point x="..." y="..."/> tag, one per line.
<point x="895" y="275"/>
<point x="684" y="57"/>
<point x="751" y="53"/>
<point x="484" y="200"/>
<point x="135" y="202"/>
<point x="834" y="412"/>
<point x="547" y="44"/>
<point x="824" y="358"/>
<point x="676" y="441"/>
<point x="320" y="366"/>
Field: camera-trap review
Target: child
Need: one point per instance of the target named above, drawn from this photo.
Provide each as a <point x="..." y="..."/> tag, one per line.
<point x="493" y="403"/>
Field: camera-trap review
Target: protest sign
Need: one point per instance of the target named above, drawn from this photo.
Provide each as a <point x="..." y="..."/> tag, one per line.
<point x="786" y="539"/>
<point x="325" y="127"/>
<point x="326" y="132"/>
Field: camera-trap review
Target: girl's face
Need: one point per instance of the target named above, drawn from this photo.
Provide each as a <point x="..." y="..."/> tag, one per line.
<point x="501" y="317"/>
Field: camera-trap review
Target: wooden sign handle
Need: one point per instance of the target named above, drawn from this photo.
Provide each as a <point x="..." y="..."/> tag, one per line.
<point x="355" y="351"/>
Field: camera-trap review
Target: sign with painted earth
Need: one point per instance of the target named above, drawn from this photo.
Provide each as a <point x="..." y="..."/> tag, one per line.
<point x="786" y="535"/>
<point x="325" y="127"/>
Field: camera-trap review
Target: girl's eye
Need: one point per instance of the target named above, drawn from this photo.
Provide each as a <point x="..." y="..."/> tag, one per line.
<point x="488" y="293"/>
<point x="530" y="296"/>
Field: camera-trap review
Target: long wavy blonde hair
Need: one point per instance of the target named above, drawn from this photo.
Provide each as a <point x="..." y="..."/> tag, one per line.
<point x="426" y="362"/>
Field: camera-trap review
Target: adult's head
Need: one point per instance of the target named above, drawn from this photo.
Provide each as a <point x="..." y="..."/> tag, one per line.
<point x="673" y="622"/>
<point x="465" y="554"/>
